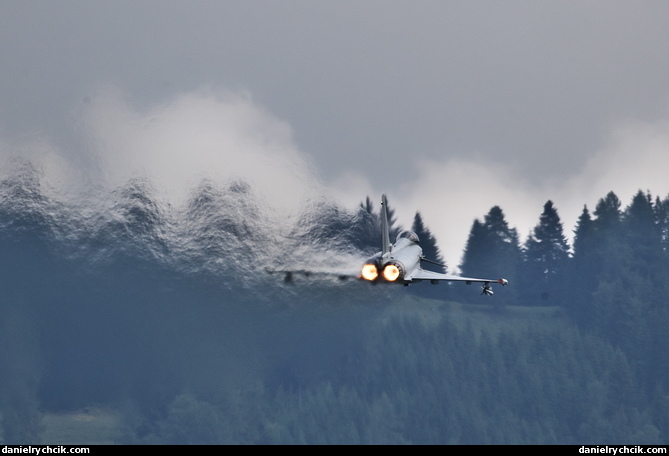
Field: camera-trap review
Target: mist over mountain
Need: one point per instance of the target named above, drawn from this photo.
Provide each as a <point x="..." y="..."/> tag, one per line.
<point x="128" y="299"/>
<point x="165" y="316"/>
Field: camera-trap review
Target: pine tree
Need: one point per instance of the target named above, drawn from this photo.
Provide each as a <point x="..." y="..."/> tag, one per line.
<point x="504" y="243"/>
<point x="608" y="244"/>
<point x="642" y="234"/>
<point x="367" y="205"/>
<point x="367" y="227"/>
<point x="430" y="251"/>
<point x="608" y="218"/>
<point x="475" y="254"/>
<point x="628" y="302"/>
<point x="492" y="250"/>
<point x="546" y="256"/>
<point x="428" y="243"/>
<point x="582" y="271"/>
<point x="662" y="217"/>
<point x="583" y="234"/>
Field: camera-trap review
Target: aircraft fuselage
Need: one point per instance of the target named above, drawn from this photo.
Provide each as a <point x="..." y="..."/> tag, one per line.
<point x="398" y="264"/>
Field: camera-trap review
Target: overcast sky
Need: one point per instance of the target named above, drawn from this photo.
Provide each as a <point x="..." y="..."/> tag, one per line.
<point x="449" y="107"/>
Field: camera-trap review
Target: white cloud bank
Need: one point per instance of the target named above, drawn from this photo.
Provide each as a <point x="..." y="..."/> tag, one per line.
<point x="220" y="136"/>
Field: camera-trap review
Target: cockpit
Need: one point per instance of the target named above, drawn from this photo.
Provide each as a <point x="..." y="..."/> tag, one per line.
<point x="410" y="235"/>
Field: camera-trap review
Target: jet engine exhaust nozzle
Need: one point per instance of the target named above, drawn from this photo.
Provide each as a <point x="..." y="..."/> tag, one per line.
<point x="369" y="272"/>
<point x="393" y="272"/>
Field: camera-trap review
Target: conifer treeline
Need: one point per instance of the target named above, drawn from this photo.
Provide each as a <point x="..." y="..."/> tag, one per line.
<point x="629" y="245"/>
<point x="618" y="255"/>
<point x="611" y="280"/>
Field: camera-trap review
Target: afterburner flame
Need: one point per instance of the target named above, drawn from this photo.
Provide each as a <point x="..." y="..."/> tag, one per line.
<point x="391" y="273"/>
<point x="369" y="272"/>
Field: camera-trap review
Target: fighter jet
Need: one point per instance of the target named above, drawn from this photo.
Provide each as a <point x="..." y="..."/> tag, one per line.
<point x="396" y="263"/>
<point x="401" y="262"/>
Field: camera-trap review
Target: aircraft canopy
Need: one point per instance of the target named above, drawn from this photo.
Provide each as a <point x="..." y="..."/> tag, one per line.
<point x="410" y="235"/>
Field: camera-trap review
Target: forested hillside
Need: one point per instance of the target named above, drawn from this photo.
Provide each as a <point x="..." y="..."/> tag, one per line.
<point x="611" y="282"/>
<point x="167" y="319"/>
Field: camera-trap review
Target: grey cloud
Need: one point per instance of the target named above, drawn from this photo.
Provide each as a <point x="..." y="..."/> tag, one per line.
<point x="368" y="85"/>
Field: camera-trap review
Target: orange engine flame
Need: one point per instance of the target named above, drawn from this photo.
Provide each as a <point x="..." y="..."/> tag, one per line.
<point x="391" y="273"/>
<point x="369" y="272"/>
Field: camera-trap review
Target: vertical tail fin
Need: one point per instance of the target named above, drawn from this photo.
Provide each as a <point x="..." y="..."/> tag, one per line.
<point x="385" y="235"/>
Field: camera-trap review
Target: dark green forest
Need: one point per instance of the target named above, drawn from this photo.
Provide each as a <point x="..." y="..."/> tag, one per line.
<point x="166" y="318"/>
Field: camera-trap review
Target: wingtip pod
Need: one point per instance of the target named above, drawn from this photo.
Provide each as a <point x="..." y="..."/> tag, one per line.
<point x="503" y="282"/>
